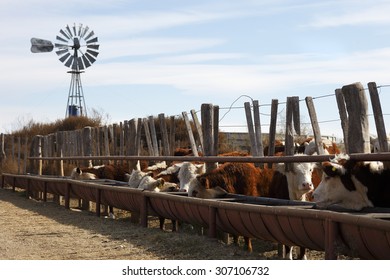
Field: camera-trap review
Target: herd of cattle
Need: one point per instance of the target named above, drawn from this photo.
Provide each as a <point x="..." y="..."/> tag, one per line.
<point x="347" y="183"/>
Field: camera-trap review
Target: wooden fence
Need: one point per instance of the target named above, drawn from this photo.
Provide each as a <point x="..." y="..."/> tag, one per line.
<point x="124" y="139"/>
<point x="365" y="236"/>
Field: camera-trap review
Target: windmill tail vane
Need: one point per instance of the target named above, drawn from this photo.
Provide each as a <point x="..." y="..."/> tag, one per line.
<point x="77" y="48"/>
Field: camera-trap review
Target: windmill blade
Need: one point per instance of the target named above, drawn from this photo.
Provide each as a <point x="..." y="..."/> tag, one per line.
<point x="74" y="30"/>
<point x="61" y="46"/>
<point x="61" y="52"/>
<point x="64" y="33"/>
<point x="84" y="31"/>
<point x="86" y="62"/>
<point x="40" y="45"/>
<point x="69" y="31"/>
<point x="80" y="29"/>
<point x="95" y="47"/>
<point x="65" y="57"/>
<point x="61" y="39"/>
<point x="69" y="62"/>
<point x="89" y="35"/>
<point x="94" y="40"/>
<point x="95" y="54"/>
<point x="90" y="57"/>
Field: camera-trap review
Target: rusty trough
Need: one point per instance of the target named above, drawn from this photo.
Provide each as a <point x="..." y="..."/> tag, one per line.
<point x="364" y="234"/>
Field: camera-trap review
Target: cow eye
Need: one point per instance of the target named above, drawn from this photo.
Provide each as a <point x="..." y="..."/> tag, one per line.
<point x="326" y="178"/>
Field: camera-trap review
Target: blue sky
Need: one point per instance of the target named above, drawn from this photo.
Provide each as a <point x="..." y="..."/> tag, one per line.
<point x="172" y="56"/>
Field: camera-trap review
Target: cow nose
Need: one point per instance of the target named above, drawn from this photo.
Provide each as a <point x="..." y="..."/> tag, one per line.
<point x="307" y="186"/>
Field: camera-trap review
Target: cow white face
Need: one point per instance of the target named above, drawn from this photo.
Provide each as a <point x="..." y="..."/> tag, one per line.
<point x="77" y="174"/>
<point x="348" y="192"/>
<point x="299" y="179"/>
<point x="187" y="173"/>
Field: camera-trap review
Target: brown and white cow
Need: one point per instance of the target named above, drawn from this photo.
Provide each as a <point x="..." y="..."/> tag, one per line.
<point x="238" y="178"/>
<point x="353" y="184"/>
<point x="107" y="171"/>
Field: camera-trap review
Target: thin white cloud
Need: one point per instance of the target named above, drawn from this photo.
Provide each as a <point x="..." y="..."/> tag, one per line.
<point x="354" y="14"/>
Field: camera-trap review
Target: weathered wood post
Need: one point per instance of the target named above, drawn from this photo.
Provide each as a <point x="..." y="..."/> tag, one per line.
<point x="190" y="134"/>
<point x="164" y="135"/>
<point x="272" y="128"/>
<point x="315" y="126"/>
<point x="378" y="115"/>
<point x="198" y="127"/>
<point x="358" y="125"/>
<point x="153" y="136"/>
<point x="249" y="122"/>
<point x="207" y="117"/>
<point x="343" y="117"/>
<point x="59" y="152"/>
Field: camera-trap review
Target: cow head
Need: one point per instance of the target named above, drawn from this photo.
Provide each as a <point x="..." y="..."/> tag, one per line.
<point x="340" y="187"/>
<point x="299" y="179"/>
<point x="199" y="187"/>
<point x="187" y="173"/>
<point x="78" y="174"/>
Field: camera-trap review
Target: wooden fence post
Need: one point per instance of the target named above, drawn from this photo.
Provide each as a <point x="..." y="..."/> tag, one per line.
<point x="358" y="125"/>
<point x="59" y="152"/>
<point x="190" y="134"/>
<point x="198" y="127"/>
<point x="249" y="121"/>
<point x="154" y="136"/>
<point x="289" y="137"/>
<point x="379" y="122"/>
<point x="315" y="126"/>
<point x="87" y="143"/>
<point x="343" y="117"/>
<point x="207" y="117"/>
<point x="164" y="135"/>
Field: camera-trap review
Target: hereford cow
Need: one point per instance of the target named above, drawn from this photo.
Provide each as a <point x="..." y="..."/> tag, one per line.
<point x="294" y="184"/>
<point x="238" y="178"/>
<point x="353" y="184"/>
<point x="107" y="171"/>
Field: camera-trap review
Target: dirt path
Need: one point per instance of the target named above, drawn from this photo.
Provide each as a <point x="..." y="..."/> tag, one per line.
<point x="36" y="230"/>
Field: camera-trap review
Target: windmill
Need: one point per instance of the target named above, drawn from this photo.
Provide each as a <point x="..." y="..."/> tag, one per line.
<point x="77" y="48"/>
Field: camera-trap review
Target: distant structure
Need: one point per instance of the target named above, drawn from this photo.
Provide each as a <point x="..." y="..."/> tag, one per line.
<point x="77" y="48"/>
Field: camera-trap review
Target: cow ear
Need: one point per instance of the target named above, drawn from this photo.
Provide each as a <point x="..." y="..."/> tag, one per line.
<point x="78" y="170"/>
<point x="330" y="169"/>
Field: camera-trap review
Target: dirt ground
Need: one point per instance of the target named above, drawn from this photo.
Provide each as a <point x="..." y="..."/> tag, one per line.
<point x="36" y="230"/>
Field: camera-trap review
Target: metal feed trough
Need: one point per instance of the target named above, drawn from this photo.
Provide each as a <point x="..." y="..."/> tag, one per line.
<point x="364" y="234"/>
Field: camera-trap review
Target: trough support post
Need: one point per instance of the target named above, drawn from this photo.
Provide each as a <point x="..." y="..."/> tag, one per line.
<point x="212" y="232"/>
<point x="144" y="210"/>
<point x="98" y="201"/>
<point x="45" y="191"/>
<point x="67" y="195"/>
<point x="330" y="239"/>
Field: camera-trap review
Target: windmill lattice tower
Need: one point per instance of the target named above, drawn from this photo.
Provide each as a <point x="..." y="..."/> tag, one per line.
<point x="77" y="48"/>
